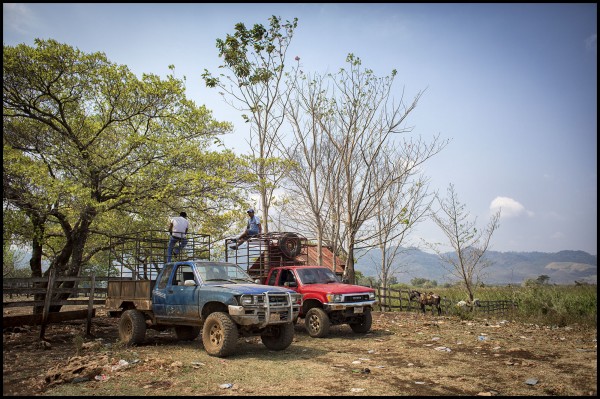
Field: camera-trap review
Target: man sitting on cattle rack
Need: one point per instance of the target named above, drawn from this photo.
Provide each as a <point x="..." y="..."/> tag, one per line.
<point x="253" y="228"/>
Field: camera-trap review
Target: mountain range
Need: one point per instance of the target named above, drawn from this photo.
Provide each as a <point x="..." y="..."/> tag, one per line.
<point x="564" y="267"/>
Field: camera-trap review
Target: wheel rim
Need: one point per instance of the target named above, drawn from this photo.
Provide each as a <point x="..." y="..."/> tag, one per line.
<point x="216" y="335"/>
<point x="314" y="324"/>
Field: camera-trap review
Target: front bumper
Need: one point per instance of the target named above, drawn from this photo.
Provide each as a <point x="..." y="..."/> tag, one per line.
<point x="347" y="305"/>
<point x="271" y="310"/>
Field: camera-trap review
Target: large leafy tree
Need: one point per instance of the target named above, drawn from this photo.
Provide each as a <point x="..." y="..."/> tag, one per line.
<point x="91" y="150"/>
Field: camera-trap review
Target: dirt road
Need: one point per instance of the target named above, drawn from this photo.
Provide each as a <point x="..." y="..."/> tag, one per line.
<point x="405" y="354"/>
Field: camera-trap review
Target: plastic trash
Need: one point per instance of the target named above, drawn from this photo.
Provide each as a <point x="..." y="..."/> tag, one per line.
<point x="226" y="386"/>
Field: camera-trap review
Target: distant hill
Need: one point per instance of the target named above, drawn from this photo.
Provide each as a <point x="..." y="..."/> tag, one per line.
<point x="564" y="267"/>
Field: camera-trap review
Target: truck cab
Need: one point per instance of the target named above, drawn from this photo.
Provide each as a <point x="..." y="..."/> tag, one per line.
<point x="326" y="300"/>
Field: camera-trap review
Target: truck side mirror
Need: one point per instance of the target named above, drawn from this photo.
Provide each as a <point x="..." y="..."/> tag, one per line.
<point x="257" y="281"/>
<point x="290" y="284"/>
<point x="189" y="283"/>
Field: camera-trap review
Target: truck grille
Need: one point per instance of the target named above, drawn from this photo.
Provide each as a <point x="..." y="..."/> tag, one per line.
<point x="276" y="300"/>
<point x="349" y="298"/>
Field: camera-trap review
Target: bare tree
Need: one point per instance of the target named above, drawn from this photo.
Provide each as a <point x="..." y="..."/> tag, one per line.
<point x="309" y="182"/>
<point x="404" y="205"/>
<point x="360" y="122"/>
<point x="255" y="59"/>
<point x="469" y="244"/>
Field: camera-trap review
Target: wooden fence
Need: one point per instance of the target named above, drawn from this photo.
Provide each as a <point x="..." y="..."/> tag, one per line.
<point x="45" y="292"/>
<point x="397" y="300"/>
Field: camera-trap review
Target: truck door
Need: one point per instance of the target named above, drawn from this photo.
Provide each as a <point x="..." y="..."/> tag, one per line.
<point x="181" y="301"/>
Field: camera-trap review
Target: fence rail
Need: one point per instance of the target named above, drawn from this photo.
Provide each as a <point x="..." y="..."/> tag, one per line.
<point x="390" y="299"/>
<point x="49" y="292"/>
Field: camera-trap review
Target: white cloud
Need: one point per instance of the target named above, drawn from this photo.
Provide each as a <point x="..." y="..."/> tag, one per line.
<point x="509" y="207"/>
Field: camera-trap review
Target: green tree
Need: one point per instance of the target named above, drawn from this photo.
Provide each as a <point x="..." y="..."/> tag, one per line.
<point x="543" y="279"/>
<point x="255" y="59"/>
<point x="90" y="150"/>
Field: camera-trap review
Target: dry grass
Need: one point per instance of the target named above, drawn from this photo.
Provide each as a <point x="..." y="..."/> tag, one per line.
<point x="401" y="356"/>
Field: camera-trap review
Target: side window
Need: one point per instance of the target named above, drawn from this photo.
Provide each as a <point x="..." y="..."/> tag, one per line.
<point x="273" y="277"/>
<point x="162" y="283"/>
<point x="184" y="272"/>
<point x="287" y="276"/>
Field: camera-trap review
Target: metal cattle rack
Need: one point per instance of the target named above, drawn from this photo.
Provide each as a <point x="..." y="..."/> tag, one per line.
<point x="141" y="255"/>
<point x="265" y="251"/>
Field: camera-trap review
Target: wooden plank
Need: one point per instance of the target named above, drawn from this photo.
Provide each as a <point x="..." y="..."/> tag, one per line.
<point x="52" y="317"/>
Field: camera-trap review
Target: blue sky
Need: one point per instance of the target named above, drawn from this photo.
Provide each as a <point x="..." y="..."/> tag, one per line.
<point x="513" y="86"/>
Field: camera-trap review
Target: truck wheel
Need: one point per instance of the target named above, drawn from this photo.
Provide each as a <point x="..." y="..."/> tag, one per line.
<point x="365" y="325"/>
<point x="132" y="327"/>
<point x="279" y="337"/>
<point x="289" y="245"/>
<point x="219" y="335"/>
<point x="317" y="323"/>
<point x="187" y="333"/>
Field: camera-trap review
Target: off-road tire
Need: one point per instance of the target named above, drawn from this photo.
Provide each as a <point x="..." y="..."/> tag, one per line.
<point x="365" y="325"/>
<point x="279" y="337"/>
<point x="132" y="327"/>
<point x="219" y="335"/>
<point x="290" y="245"/>
<point x="187" y="333"/>
<point x="317" y="323"/>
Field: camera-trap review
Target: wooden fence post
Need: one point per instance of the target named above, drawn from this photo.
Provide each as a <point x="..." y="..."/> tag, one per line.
<point x="47" y="301"/>
<point x="90" y="305"/>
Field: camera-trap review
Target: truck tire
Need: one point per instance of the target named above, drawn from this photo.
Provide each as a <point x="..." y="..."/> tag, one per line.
<point x="317" y="323"/>
<point x="290" y="245"/>
<point x="279" y="337"/>
<point x="187" y="333"/>
<point x="132" y="327"/>
<point x="219" y="335"/>
<point x="365" y="325"/>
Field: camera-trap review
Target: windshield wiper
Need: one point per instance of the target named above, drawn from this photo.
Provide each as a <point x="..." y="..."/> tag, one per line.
<point x="220" y="279"/>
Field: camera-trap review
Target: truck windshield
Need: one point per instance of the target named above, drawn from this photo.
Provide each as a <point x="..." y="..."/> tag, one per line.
<point x="215" y="271"/>
<point x="316" y="276"/>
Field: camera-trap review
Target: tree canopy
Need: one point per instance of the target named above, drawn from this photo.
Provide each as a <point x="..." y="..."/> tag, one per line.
<point x="91" y="150"/>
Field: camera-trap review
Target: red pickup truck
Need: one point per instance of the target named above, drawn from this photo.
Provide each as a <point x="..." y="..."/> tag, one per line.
<point x="326" y="301"/>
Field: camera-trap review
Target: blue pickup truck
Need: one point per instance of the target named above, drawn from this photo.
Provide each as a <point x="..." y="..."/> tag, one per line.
<point x="217" y="299"/>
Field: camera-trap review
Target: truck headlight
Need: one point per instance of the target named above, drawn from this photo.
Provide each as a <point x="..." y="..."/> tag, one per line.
<point x="297" y="298"/>
<point x="246" y="300"/>
<point x="371" y="295"/>
<point x="334" y="298"/>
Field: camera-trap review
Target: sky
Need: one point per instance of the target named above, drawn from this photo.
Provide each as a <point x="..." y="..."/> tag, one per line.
<point x="513" y="87"/>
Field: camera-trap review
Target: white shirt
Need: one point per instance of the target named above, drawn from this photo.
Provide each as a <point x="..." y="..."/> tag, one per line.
<point x="180" y="225"/>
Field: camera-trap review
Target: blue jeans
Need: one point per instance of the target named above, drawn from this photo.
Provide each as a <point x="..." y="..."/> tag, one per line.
<point x="173" y="248"/>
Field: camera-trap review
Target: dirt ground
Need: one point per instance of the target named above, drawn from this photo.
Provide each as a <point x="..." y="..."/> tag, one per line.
<point x="405" y="354"/>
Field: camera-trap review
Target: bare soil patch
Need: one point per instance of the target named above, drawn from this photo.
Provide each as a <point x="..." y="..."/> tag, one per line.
<point x="404" y="354"/>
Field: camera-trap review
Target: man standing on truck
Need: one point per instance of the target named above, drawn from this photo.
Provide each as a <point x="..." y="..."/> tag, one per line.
<point x="178" y="229"/>
<point x="253" y="228"/>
